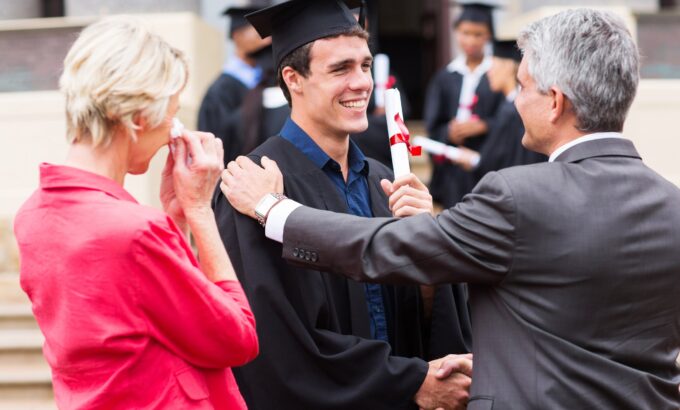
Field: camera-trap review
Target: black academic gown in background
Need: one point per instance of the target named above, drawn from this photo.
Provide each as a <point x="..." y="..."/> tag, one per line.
<point x="503" y="147"/>
<point x="256" y="122"/>
<point x="374" y="142"/>
<point x="218" y="113"/>
<point x="313" y="327"/>
<point x="449" y="182"/>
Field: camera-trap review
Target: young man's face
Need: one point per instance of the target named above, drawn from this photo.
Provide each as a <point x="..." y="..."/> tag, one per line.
<point x="472" y="37"/>
<point x="337" y="90"/>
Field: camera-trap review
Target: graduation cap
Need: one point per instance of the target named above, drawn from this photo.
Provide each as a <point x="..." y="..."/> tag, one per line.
<point x="507" y="49"/>
<point x="238" y="17"/>
<point x="477" y="12"/>
<point x="298" y="22"/>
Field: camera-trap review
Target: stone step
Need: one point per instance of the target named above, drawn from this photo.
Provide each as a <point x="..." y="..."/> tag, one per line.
<point x="25" y="378"/>
<point x="21" y="340"/>
<point x="10" y="290"/>
<point x="16" y="316"/>
<point x="25" y="393"/>
<point x="29" y="404"/>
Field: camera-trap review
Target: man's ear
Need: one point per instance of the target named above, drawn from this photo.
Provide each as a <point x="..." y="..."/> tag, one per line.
<point x="293" y="80"/>
<point x="558" y="104"/>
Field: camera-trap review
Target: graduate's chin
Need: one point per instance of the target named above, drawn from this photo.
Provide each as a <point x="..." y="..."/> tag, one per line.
<point x="357" y="126"/>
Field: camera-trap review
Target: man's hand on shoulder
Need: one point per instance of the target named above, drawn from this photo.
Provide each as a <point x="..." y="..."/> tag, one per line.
<point x="245" y="183"/>
<point x="447" y="384"/>
<point x="408" y="196"/>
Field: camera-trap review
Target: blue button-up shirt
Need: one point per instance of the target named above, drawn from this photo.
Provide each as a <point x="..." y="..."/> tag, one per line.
<point x="239" y="69"/>
<point x="356" y="194"/>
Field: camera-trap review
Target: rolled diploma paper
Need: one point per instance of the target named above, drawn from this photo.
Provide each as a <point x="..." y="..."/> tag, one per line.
<point x="381" y="74"/>
<point x="399" y="151"/>
<point x="437" y="148"/>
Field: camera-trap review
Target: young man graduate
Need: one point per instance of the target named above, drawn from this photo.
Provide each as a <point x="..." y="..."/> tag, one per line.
<point x="460" y="105"/>
<point x="503" y="147"/>
<point x="572" y="263"/>
<point x="328" y="342"/>
<point x="218" y="113"/>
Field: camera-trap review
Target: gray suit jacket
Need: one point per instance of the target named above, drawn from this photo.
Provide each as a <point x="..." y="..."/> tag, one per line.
<point x="574" y="273"/>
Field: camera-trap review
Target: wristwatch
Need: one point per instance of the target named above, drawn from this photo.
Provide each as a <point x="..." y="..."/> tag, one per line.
<point x="265" y="206"/>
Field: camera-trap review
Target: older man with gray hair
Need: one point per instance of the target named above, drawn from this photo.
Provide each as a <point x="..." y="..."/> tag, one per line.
<point x="573" y="264"/>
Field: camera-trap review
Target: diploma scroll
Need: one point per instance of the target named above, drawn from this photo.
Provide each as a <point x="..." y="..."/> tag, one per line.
<point x="440" y="149"/>
<point x="399" y="135"/>
<point x="381" y="74"/>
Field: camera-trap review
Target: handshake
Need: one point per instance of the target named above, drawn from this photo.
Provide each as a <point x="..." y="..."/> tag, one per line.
<point x="447" y="383"/>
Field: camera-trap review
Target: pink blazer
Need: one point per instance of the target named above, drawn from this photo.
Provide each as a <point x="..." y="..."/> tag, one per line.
<point x="129" y="319"/>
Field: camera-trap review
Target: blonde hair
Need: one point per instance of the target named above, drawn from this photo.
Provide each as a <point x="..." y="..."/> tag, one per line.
<point x="116" y="69"/>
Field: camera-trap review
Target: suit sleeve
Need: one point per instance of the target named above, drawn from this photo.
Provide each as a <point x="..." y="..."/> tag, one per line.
<point x="209" y="325"/>
<point x="472" y="242"/>
<point x="305" y="361"/>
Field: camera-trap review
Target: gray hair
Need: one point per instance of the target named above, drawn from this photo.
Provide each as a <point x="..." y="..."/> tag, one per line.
<point x="592" y="58"/>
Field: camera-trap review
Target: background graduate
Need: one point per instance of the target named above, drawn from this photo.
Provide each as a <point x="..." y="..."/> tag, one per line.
<point x="328" y="342"/>
<point x="374" y="141"/>
<point x="218" y="113"/>
<point x="503" y="147"/>
<point x="264" y="110"/>
<point x="460" y="105"/>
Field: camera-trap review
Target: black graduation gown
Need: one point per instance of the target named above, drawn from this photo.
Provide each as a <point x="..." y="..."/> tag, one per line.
<point x="503" y="147"/>
<point x="449" y="182"/>
<point x="218" y="113"/>
<point x="313" y="327"/>
<point x="257" y="123"/>
<point x="374" y="142"/>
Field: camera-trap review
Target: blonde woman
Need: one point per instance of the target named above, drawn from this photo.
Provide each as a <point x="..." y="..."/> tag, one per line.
<point x="130" y="318"/>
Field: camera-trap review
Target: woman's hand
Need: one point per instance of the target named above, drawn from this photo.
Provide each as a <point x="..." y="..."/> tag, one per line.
<point x="169" y="200"/>
<point x="198" y="161"/>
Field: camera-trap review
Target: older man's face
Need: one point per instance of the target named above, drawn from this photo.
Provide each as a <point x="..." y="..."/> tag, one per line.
<point x="534" y="108"/>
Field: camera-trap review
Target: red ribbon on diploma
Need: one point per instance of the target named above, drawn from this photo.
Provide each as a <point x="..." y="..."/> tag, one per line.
<point x="404" y="137"/>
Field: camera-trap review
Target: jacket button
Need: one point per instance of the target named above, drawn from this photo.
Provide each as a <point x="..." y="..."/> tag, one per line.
<point x="308" y="256"/>
<point x="315" y="257"/>
<point x="296" y="252"/>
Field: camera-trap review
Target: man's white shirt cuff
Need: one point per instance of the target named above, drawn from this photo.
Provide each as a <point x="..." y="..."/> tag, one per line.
<point x="276" y="220"/>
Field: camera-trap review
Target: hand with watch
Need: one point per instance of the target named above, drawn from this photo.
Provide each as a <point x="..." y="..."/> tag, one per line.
<point x="251" y="189"/>
<point x="264" y="207"/>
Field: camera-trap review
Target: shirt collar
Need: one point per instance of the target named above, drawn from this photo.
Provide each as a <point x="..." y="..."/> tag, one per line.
<point x="580" y="140"/>
<point x="304" y="143"/>
<point x="459" y="65"/>
<point x="62" y="176"/>
<point x="237" y="68"/>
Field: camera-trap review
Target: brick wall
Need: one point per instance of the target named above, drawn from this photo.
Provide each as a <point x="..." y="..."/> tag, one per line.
<point x="32" y="59"/>
<point x="658" y="36"/>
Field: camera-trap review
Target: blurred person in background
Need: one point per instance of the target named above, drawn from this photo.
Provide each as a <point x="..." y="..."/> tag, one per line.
<point x="460" y="105"/>
<point x="242" y="72"/>
<point x="503" y="147"/>
<point x="131" y="319"/>
<point x="374" y="141"/>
